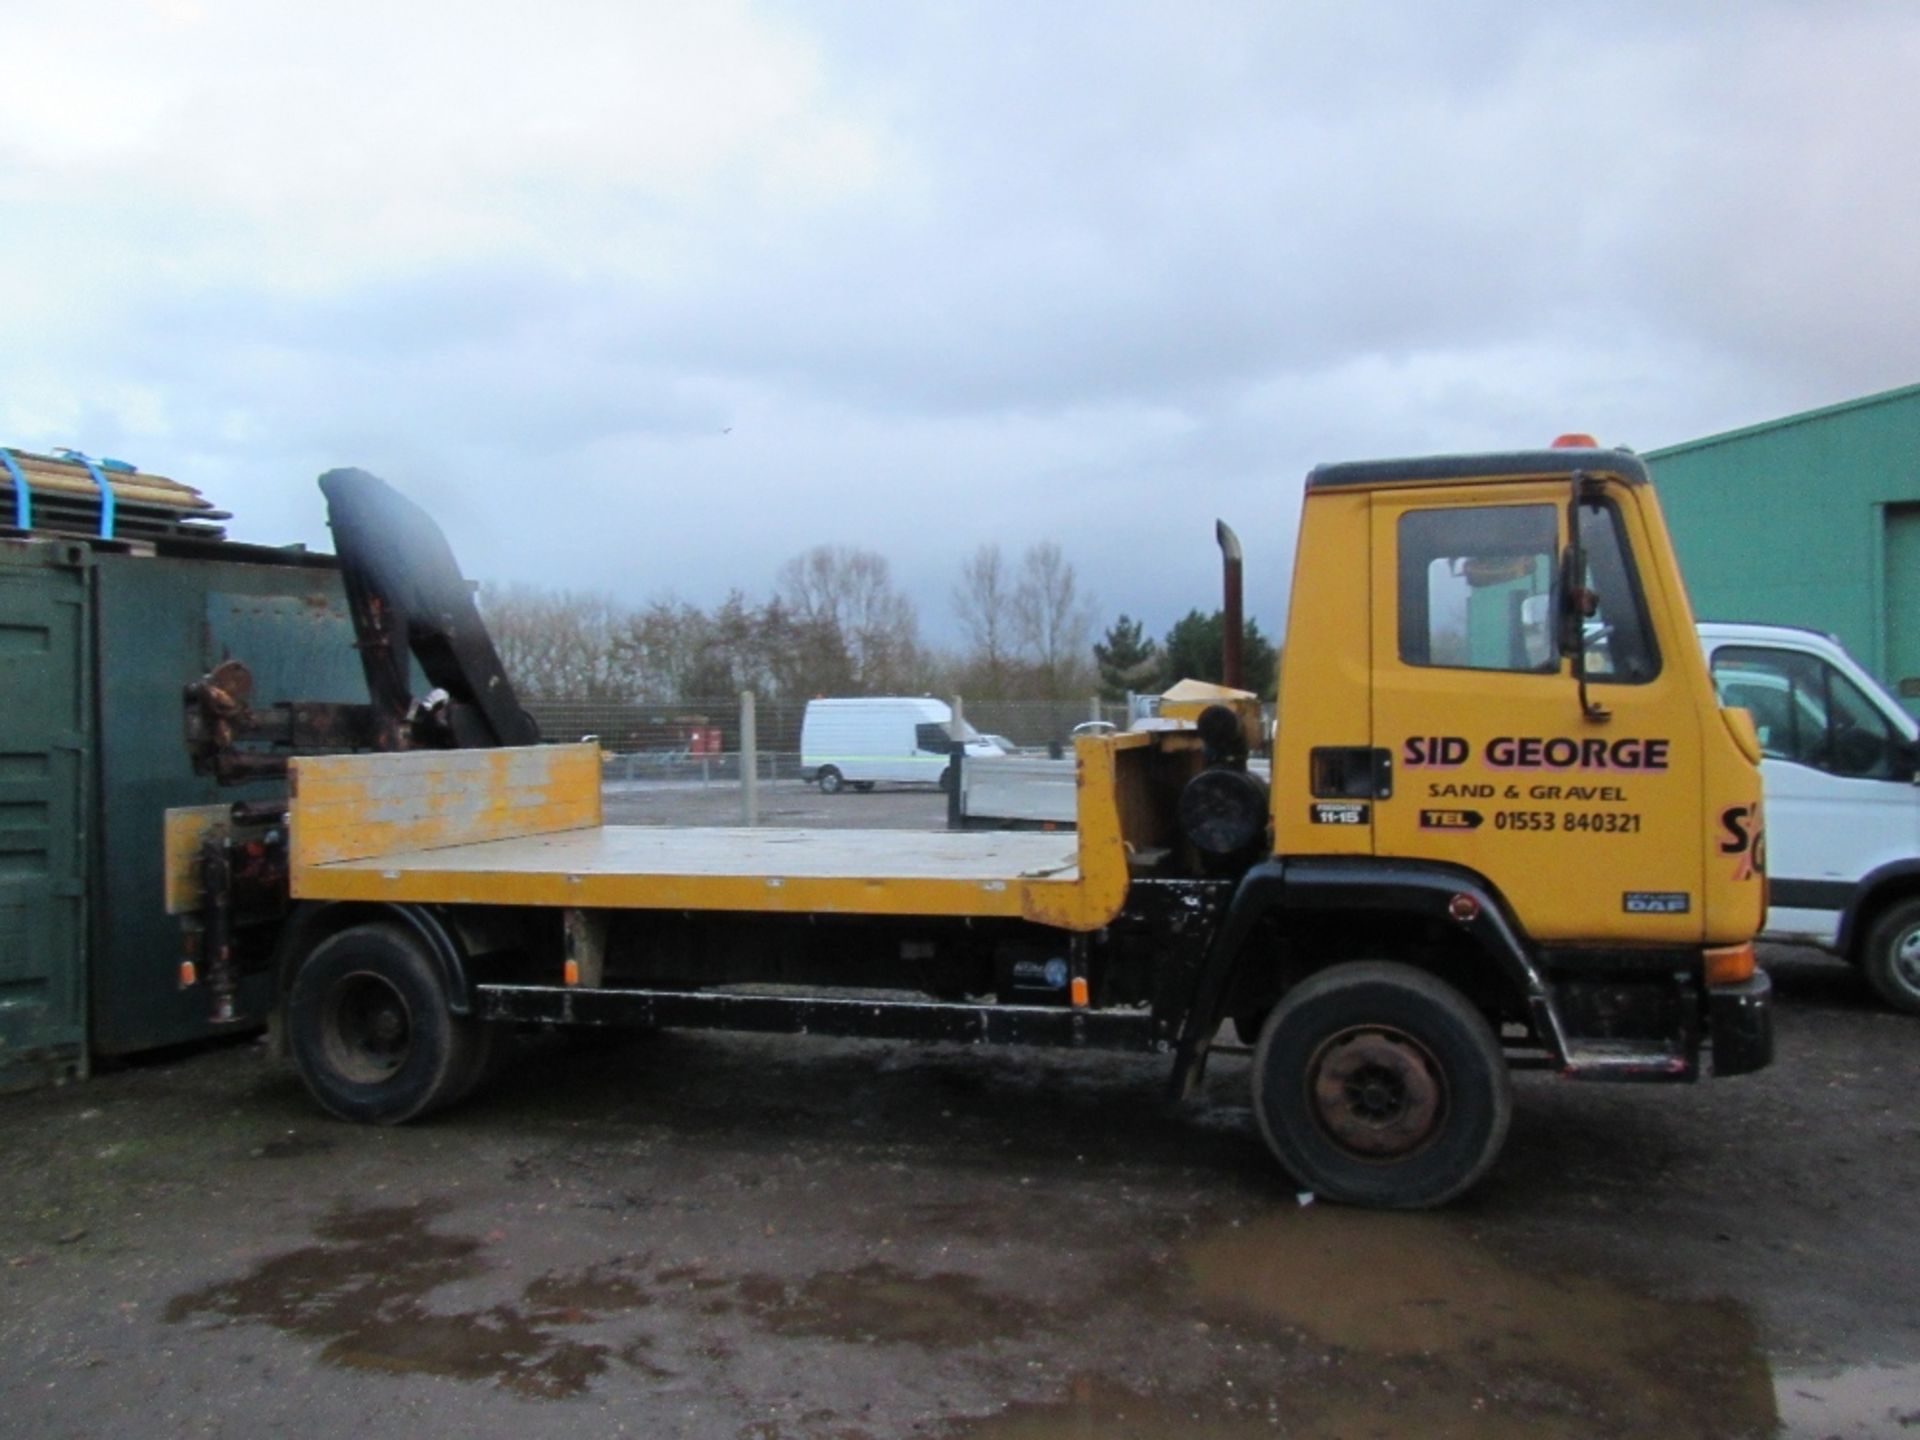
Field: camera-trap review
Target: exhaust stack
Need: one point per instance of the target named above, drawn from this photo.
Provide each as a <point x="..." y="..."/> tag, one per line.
<point x="1232" y="627"/>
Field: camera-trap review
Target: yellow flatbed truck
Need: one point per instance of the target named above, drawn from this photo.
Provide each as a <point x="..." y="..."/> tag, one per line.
<point x="1508" y="825"/>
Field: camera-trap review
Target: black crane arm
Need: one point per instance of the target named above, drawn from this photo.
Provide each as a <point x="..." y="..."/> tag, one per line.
<point x="409" y="603"/>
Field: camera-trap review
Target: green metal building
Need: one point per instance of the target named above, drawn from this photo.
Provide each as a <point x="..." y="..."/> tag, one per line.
<point x="1811" y="520"/>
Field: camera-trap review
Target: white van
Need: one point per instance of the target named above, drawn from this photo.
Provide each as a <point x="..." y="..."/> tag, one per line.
<point x="1843" y="812"/>
<point x="899" y="738"/>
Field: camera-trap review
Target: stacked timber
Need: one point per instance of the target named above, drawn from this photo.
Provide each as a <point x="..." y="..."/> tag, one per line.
<point x="61" y="494"/>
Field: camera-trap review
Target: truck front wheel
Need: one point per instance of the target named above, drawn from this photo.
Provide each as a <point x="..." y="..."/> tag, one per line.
<point x="1891" y="959"/>
<point x="370" y="1031"/>
<point x="1376" y="1084"/>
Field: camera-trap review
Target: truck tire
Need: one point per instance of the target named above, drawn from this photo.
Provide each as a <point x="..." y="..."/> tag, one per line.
<point x="1891" y="958"/>
<point x="1376" y="1084"/>
<point x="946" y="781"/>
<point x="830" y="781"/>
<point x="370" y="1032"/>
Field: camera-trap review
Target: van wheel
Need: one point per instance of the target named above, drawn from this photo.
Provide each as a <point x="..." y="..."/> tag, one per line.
<point x="946" y="781"/>
<point x="863" y="786"/>
<point x="830" y="781"/>
<point x="370" y="1031"/>
<point x="1376" y="1084"/>
<point x="1891" y="959"/>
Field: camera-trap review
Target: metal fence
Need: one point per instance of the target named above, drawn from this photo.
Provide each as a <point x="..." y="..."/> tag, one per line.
<point x="687" y="731"/>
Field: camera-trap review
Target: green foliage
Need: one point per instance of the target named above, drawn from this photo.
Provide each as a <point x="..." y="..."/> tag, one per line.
<point x="1127" y="658"/>
<point x="1193" y="651"/>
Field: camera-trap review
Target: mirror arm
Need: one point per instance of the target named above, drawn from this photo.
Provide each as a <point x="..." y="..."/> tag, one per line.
<point x="1573" y="572"/>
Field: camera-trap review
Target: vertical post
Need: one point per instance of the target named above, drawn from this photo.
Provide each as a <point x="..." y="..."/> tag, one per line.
<point x="1093" y="709"/>
<point x="749" y="763"/>
<point x="956" y="762"/>
<point x="959" y="715"/>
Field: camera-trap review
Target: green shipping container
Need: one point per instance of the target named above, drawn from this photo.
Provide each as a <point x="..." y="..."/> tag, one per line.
<point x="96" y="643"/>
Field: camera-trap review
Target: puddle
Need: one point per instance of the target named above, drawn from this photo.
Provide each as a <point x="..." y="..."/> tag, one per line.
<point x="364" y="1292"/>
<point x="1874" y="1400"/>
<point x="1342" y="1325"/>
<point x="1417" y="1299"/>
<point x="878" y="1303"/>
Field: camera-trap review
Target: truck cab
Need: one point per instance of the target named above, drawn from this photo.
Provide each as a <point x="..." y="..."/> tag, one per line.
<point x="1510" y="685"/>
<point x="1839" y="756"/>
<point x="1500" y="761"/>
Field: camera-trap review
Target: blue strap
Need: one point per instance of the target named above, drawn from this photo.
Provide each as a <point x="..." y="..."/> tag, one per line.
<point x="106" y="490"/>
<point x="22" y="492"/>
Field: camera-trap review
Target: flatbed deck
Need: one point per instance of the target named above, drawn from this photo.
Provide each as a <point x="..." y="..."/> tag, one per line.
<point x="649" y="867"/>
<point x="523" y="826"/>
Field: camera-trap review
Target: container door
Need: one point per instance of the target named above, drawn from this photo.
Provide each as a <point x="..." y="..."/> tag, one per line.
<point x="43" y="775"/>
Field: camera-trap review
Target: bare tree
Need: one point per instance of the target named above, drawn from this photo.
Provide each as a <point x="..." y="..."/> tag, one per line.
<point x="837" y="590"/>
<point x="664" y="641"/>
<point x="983" y="602"/>
<point x="561" y="643"/>
<point x="687" y="653"/>
<point x="1053" y="618"/>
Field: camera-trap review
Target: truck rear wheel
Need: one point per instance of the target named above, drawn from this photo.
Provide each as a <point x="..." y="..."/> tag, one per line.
<point x="830" y="781"/>
<point x="1891" y="959"/>
<point x="370" y="1031"/>
<point x="1376" y="1084"/>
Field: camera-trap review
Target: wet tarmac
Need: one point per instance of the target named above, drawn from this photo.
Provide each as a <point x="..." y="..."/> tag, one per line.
<point x="1313" y="1322"/>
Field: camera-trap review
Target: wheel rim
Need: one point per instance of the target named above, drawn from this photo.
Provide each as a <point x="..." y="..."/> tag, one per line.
<point x="367" y="1028"/>
<point x="1376" y="1092"/>
<point x="1906" y="960"/>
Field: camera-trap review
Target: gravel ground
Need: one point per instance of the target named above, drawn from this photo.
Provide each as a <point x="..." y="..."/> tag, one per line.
<point x="793" y="1239"/>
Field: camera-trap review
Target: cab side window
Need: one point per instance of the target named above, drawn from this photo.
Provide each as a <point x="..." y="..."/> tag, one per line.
<point x="1807" y="711"/>
<point x="1466" y="576"/>
<point x="932" y="737"/>
<point x="1618" y="640"/>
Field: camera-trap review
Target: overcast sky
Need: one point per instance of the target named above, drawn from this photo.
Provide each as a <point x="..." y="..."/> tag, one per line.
<point x="649" y="297"/>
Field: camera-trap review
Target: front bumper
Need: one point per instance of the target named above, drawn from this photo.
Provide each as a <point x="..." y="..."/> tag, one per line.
<point x="1740" y="1025"/>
